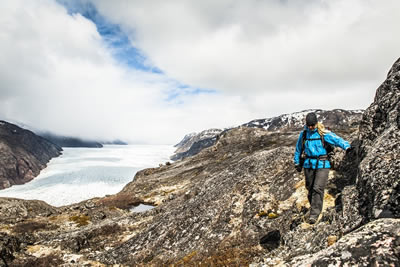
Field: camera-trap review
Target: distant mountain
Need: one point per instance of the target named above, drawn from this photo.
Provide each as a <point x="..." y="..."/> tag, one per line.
<point x="193" y="143"/>
<point x="337" y="119"/>
<point x="115" y="142"/>
<point x="22" y="154"/>
<point x="66" y="141"/>
<point x="60" y="140"/>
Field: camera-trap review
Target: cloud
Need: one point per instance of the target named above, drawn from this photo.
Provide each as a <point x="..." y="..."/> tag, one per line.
<point x="253" y="47"/>
<point x="152" y="71"/>
<point x="58" y="73"/>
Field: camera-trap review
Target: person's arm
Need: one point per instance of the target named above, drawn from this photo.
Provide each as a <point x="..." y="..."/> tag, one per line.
<point x="335" y="140"/>
<point x="298" y="151"/>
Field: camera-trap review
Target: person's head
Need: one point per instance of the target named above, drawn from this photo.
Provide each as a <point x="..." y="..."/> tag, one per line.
<point x="311" y="120"/>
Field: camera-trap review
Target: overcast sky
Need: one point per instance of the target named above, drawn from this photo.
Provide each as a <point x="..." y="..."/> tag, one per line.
<point x="152" y="71"/>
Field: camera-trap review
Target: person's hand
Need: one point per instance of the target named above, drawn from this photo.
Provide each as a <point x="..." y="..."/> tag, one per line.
<point x="298" y="168"/>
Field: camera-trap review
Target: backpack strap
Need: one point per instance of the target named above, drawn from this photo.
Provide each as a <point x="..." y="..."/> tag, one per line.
<point x="303" y="141"/>
<point x="312" y="139"/>
<point x="322" y="140"/>
<point x="325" y="157"/>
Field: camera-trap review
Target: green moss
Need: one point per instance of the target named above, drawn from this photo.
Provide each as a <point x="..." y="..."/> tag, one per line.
<point x="272" y="215"/>
<point x="262" y="214"/>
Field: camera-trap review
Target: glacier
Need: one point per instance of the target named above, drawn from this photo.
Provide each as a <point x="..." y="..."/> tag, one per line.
<point x="83" y="173"/>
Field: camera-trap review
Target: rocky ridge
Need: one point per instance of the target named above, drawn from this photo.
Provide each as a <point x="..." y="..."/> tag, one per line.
<point x="22" y="154"/>
<point x="193" y="143"/>
<point x="238" y="202"/>
<point x="341" y="119"/>
<point x="337" y="118"/>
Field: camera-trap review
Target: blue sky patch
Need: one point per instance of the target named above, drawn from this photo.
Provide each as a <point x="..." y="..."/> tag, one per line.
<point x="184" y="90"/>
<point x="123" y="50"/>
<point x="113" y="36"/>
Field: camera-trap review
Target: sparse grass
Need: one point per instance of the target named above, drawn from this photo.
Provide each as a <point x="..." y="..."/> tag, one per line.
<point x="53" y="218"/>
<point x="120" y="201"/>
<point x="33" y="249"/>
<point x="329" y="201"/>
<point x="4" y="228"/>
<point x="300" y="184"/>
<point x="80" y="220"/>
<point x="187" y="259"/>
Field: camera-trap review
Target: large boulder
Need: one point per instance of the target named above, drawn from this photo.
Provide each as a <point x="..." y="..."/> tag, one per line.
<point x="375" y="244"/>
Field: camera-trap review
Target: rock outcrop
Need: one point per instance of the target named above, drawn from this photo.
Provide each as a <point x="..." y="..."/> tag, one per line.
<point x="193" y="143"/>
<point x="239" y="202"/>
<point x="379" y="173"/>
<point x="374" y="244"/>
<point x="22" y="154"/>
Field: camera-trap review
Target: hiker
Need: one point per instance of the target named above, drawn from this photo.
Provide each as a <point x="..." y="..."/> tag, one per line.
<point x="316" y="142"/>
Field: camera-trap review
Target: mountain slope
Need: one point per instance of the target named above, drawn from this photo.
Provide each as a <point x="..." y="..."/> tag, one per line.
<point x="22" y="154"/>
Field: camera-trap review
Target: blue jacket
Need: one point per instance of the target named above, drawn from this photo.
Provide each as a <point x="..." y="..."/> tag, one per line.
<point x="314" y="148"/>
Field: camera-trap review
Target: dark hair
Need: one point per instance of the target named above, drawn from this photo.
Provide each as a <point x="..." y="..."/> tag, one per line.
<point x="311" y="119"/>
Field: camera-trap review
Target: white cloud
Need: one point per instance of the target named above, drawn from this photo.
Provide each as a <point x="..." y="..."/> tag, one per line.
<point x="263" y="58"/>
<point x="244" y="47"/>
<point x="57" y="74"/>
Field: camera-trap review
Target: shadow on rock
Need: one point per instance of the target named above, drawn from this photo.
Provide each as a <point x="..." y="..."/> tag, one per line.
<point x="271" y="240"/>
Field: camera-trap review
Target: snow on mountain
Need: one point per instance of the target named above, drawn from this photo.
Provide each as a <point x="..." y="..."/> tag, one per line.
<point x="341" y="119"/>
<point x="193" y="143"/>
<point x="337" y="119"/>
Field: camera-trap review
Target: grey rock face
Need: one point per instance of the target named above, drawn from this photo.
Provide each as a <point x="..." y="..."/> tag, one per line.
<point x="379" y="170"/>
<point x="22" y="154"/>
<point x="193" y="143"/>
<point x="375" y="244"/>
<point x="14" y="210"/>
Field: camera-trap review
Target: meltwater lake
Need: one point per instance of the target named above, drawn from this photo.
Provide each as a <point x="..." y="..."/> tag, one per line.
<point x="83" y="173"/>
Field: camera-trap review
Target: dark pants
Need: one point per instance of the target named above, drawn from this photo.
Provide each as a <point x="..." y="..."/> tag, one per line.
<point x="315" y="184"/>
